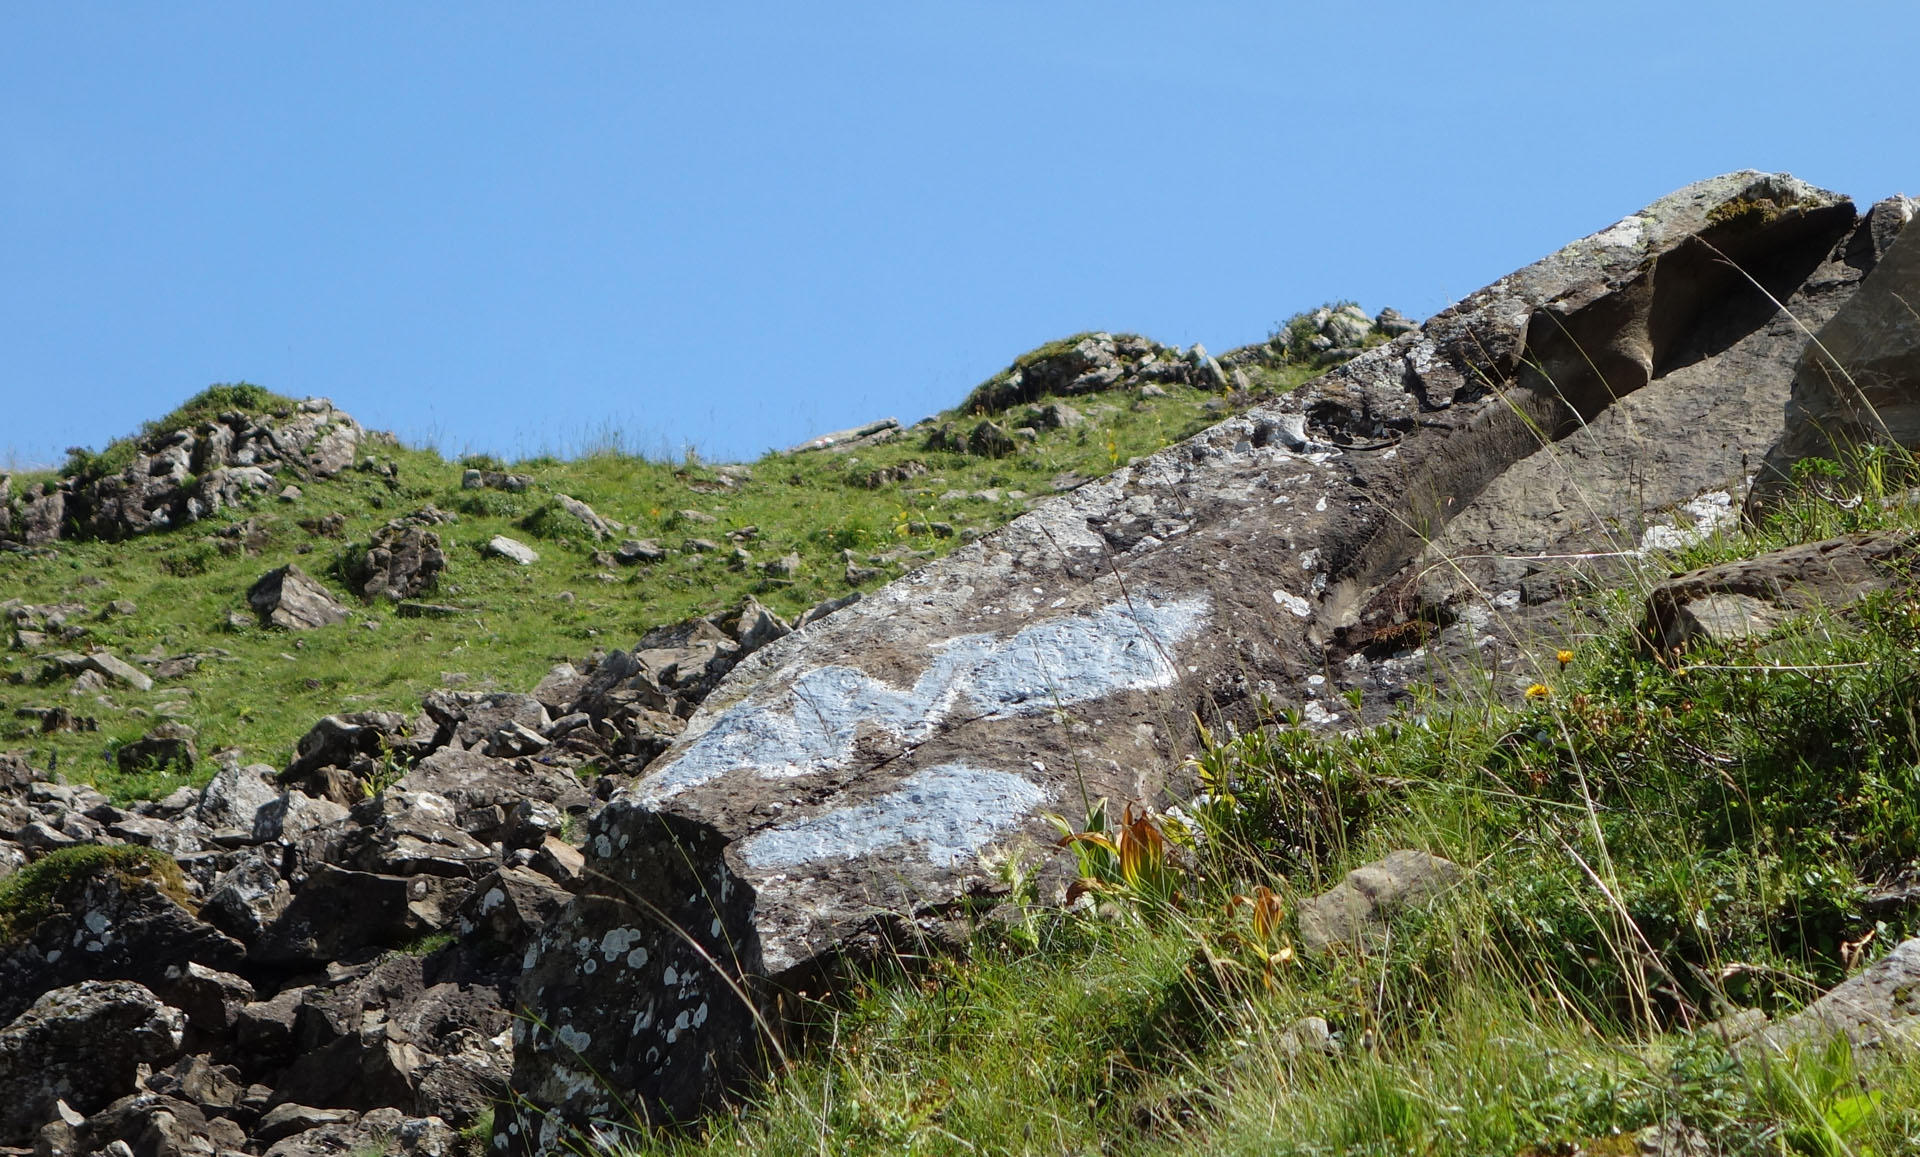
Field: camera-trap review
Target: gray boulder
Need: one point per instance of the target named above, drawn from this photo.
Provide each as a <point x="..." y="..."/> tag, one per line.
<point x="83" y="1045"/>
<point x="839" y="788"/>
<point x="291" y="599"/>
<point x="1357" y="911"/>
<point x="600" y="528"/>
<point x="1876" y="1009"/>
<point x="1749" y="598"/>
<point x="402" y="560"/>
<point x="500" y="546"/>
<point x="231" y="802"/>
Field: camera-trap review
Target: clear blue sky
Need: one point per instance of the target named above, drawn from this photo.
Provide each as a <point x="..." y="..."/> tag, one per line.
<point x="516" y="228"/>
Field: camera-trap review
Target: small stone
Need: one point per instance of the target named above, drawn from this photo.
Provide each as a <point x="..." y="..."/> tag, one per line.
<point x="500" y="546"/>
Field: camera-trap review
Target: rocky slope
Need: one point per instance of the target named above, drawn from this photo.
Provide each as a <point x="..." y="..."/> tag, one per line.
<point x="647" y="849"/>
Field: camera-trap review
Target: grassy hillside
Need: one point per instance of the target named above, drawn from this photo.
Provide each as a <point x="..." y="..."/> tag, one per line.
<point x="881" y="509"/>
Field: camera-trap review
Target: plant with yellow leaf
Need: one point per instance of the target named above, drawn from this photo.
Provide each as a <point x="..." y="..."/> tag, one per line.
<point x="1134" y="861"/>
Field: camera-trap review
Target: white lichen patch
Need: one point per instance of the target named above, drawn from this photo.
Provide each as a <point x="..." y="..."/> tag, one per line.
<point x="618" y="941"/>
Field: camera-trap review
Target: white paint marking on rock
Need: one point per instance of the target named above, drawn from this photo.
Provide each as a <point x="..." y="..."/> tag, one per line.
<point x="950" y="810"/>
<point x="810" y="725"/>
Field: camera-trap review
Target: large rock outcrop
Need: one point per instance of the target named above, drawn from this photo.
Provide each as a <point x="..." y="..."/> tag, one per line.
<point x="182" y="476"/>
<point x="840" y="788"/>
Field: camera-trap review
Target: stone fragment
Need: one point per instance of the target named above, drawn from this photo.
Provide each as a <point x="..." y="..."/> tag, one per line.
<point x="118" y="670"/>
<point x="231" y="802"/>
<point x="990" y="440"/>
<point x="1750" y="598"/>
<point x="494" y="480"/>
<point x="842" y="440"/>
<point x="638" y="550"/>
<point x="500" y="546"/>
<point x="285" y="1120"/>
<point x="600" y="528"/>
<point x="247" y="898"/>
<point x="291" y="599"/>
<point x="1357" y="911"/>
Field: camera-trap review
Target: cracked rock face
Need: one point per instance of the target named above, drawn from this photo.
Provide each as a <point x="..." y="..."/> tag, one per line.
<point x="842" y="785"/>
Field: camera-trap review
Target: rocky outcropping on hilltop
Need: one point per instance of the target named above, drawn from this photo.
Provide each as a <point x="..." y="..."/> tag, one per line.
<point x="184" y="475"/>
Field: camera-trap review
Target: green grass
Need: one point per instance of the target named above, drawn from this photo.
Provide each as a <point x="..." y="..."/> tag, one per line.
<point x="258" y="690"/>
<point x="1647" y="847"/>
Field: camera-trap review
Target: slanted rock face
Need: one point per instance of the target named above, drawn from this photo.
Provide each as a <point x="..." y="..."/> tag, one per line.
<point x="844" y="781"/>
<point x="1858" y="383"/>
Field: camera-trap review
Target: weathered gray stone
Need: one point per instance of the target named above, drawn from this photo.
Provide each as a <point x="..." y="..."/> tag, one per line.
<point x="600" y="528"/>
<point x="402" y="560"/>
<point x="842" y="440"/>
<point x="293" y="600"/>
<point x="500" y="546"/>
<point x="990" y="440"/>
<point x="400" y="833"/>
<point x="1357" y="911"/>
<point x="494" y="480"/>
<point x="1749" y="598"/>
<point x="1877" y="1008"/>
<point x="1716" y="355"/>
<point x="82" y="1044"/>
<point x="232" y="801"/>
<point x="248" y="897"/>
<point x="118" y="670"/>
<point x="843" y="781"/>
<point x="1858" y="382"/>
<point x="115" y="921"/>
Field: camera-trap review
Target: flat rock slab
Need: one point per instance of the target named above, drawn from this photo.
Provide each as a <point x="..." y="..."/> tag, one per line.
<point x="839" y="788"/>
<point x="500" y="546"/>
<point x="1750" y="598"/>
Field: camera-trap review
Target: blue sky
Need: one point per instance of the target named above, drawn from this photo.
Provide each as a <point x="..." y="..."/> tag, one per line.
<point x="525" y="228"/>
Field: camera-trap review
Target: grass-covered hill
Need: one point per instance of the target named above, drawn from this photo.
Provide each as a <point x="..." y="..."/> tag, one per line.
<point x="791" y="530"/>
